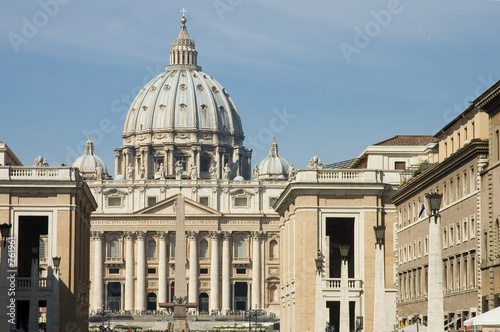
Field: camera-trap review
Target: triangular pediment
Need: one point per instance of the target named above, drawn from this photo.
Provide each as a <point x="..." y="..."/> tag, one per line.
<point x="168" y="207"/>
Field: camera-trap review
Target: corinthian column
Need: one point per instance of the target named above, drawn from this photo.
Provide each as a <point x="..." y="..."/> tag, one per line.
<point x="129" y="270"/>
<point x="141" y="271"/>
<point x="226" y="272"/>
<point x="162" y="267"/>
<point x="193" y="267"/>
<point x="214" y="272"/>
<point x="98" y="267"/>
<point x="256" y="270"/>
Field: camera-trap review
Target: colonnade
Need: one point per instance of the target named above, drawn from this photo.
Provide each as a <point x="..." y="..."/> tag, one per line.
<point x="134" y="287"/>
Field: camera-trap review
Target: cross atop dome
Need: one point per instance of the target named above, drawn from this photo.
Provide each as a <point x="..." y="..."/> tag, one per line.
<point x="183" y="50"/>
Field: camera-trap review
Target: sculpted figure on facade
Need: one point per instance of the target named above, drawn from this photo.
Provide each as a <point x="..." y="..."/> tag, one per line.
<point x="178" y="170"/>
<point x="256" y="172"/>
<point x="227" y="172"/>
<point x="130" y="171"/>
<point x="40" y="162"/>
<point x="98" y="172"/>
<point x="315" y="163"/>
<point x="213" y="170"/>
<point x="291" y="172"/>
<point x="193" y="173"/>
<point x="143" y="171"/>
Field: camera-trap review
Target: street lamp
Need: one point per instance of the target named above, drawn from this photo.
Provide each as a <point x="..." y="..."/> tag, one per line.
<point x="379" y="234"/>
<point x="319" y="262"/>
<point x="56" y="261"/>
<point x="34" y="251"/>
<point x="344" y="251"/>
<point x="434" y="202"/>
<point x="435" y="308"/>
<point x="5" y="230"/>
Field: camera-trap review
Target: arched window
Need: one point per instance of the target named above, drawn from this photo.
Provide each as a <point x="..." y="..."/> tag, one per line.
<point x="273" y="249"/>
<point x="203" y="248"/>
<point x="151" y="248"/>
<point x="114" y="248"/>
<point x="241" y="248"/>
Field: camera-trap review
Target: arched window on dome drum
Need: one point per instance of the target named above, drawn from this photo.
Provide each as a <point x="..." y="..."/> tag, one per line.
<point x="241" y="248"/>
<point x="203" y="248"/>
<point x="182" y="122"/>
<point x="114" y="248"/>
<point x="204" y="121"/>
<point x="151" y="248"/>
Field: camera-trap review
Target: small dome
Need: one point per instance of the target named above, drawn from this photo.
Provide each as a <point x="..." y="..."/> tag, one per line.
<point x="239" y="178"/>
<point x="90" y="165"/>
<point x="273" y="166"/>
<point x="119" y="177"/>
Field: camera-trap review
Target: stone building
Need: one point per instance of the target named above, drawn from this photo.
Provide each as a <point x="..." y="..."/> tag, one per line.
<point x="323" y="210"/>
<point x="48" y="209"/>
<point x="457" y="175"/>
<point x="490" y="202"/>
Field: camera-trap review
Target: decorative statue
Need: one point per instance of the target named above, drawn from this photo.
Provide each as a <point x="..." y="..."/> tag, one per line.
<point x="178" y="170"/>
<point x="291" y="172"/>
<point x="40" y="162"/>
<point x="315" y="163"/>
<point x="256" y="172"/>
<point x="98" y="172"/>
<point x="130" y="172"/>
<point x="227" y="171"/>
<point x="213" y="170"/>
<point x="161" y="170"/>
<point x="143" y="171"/>
<point x="193" y="174"/>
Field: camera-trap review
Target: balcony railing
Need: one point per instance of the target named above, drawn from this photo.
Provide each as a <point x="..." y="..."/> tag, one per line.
<point x="348" y="176"/>
<point x="113" y="260"/>
<point x="241" y="260"/>
<point x="24" y="283"/>
<point x="39" y="173"/>
<point x="335" y="284"/>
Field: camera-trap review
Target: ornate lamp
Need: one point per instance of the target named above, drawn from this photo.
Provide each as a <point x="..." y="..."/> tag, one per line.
<point x="344" y="251"/>
<point x="434" y="201"/>
<point x="56" y="261"/>
<point x="5" y="229"/>
<point x="34" y="250"/>
<point x="379" y="234"/>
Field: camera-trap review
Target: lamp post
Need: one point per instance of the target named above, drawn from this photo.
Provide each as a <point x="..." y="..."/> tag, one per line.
<point x="4" y="288"/>
<point x="344" y="289"/>
<point x="379" y="321"/>
<point x="435" y="310"/>
<point x="34" y="309"/>
<point x="53" y="309"/>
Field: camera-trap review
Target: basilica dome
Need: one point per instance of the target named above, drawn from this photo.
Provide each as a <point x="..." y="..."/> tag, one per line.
<point x="183" y="99"/>
<point x="183" y="117"/>
<point x="89" y="164"/>
<point x="273" y="166"/>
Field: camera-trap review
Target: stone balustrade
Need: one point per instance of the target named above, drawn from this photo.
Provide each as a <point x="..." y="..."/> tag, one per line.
<point x="39" y="173"/>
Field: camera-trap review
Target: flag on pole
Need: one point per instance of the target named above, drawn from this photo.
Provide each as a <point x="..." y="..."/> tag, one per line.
<point x="422" y="209"/>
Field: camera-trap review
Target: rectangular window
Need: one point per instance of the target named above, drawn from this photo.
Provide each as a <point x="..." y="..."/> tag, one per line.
<point x="204" y="200"/>
<point x="151" y="200"/>
<point x="241" y="201"/>
<point x="114" y="271"/>
<point x="497" y="145"/>
<point x="472" y="225"/>
<point x="151" y="270"/>
<point x="459" y="188"/>
<point x="472" y="180"/>
<point x="241" y="271"/>
<point x="405" y="254"/>
<point x="465" y="192"/>
<point x="114" y="201"/>
<point x="458" y="235"/>
<point x="400" y="165"/>
<point x="419" y="247"/>
<point x="465" y="230"/>
<point x="415" y="249"/>
<point x="203" y="271"/>
<point x="451" y="239"/>
<point x="426" y="245"/>
<point x="445" y="237"/>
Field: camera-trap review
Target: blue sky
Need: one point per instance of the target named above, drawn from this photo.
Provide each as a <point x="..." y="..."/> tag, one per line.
<point x="326" y="78"/>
